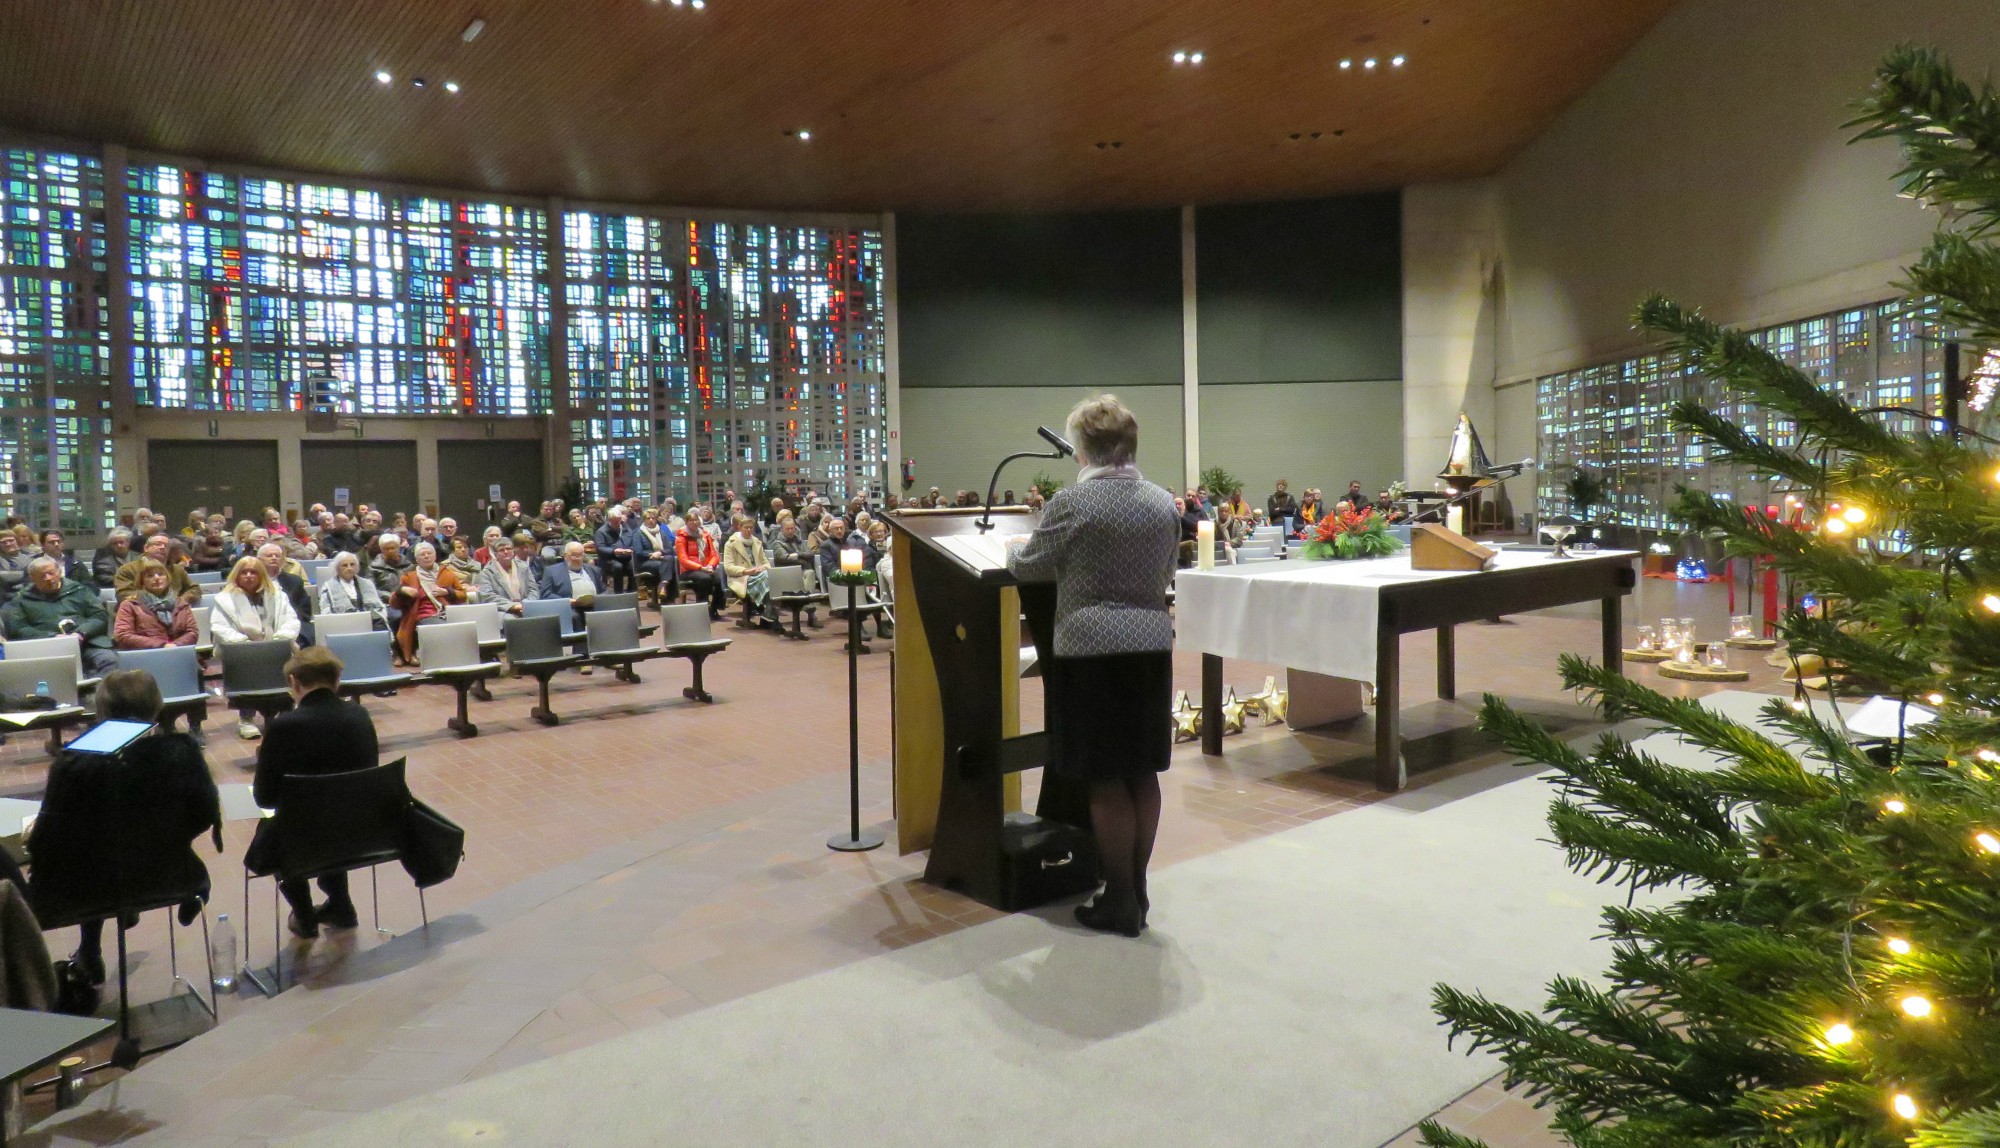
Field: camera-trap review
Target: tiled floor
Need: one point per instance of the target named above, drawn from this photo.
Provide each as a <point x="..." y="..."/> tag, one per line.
<point x="653" y="856"/>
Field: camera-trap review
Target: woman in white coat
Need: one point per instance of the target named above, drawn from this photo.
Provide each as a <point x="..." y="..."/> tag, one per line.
<point x="252" y="609"/>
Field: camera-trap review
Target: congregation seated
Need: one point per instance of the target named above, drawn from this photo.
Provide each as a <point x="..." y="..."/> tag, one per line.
<point x="153" y="618"/>
<point x="159" y="548"/>
<point x="617" y="549"/>
<point x="658" y="566"/>
<point x="388" y="569"/>
<point x="428" y="586"/>
<point x="51" y="605"/>
<point x="52" y="547"/>
<point x="251" y="608"/>
<point x="347" y="592"/>
<point x="462" y="563"/>
<point x="321" y="734"/>
<point x="340" y="538"/>
<point x="149" y="802"/>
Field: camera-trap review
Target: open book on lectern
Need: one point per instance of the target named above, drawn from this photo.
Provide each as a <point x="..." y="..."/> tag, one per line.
<point x="982" y="552"/>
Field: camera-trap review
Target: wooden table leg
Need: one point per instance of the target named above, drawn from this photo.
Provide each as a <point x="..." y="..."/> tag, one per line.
<point x="1614" y="634"/>
<point x="1447" y="661"/>
<point x="1389" y="775"/>
<point x="1211" y="705"/>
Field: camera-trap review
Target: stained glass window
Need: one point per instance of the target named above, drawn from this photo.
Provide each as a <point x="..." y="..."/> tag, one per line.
<point x="245" y="289"/>
<point x="705" y="356"/>
<point x="55" y="429"/>
<point x="1613" y="417"/>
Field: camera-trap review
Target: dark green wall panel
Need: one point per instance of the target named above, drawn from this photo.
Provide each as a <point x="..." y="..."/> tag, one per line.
<point x="1306" y="291"/>
<point x="1085" y="300"/>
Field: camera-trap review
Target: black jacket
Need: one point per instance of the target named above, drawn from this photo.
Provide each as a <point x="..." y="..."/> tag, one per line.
<point x="300" y="595"/>
<point x="323" y="735"/>
<point x="154" y="798"/>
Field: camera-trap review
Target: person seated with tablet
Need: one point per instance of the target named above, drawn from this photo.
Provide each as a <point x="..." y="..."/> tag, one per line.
<point x="124" y="805"/>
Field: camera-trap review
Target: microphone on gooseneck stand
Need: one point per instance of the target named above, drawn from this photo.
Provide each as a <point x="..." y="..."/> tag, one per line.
<point x="1063" y="450"/>
<point x="1057" y="441"/>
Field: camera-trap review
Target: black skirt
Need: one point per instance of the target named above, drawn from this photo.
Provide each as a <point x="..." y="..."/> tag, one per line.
<point x="1110" y="717"/>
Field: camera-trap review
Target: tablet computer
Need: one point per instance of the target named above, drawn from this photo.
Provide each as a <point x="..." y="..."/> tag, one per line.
<point x="108" y="736"/>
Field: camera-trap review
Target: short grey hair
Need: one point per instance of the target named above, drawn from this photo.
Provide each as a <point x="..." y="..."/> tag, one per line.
<point x="1104" y="431"/>
<point x="38" y="563"/>
<point x="121" y="532"/>
<point x="346" y="558"/>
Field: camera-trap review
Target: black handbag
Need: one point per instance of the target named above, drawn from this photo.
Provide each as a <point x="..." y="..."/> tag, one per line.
<point x="433" y="844"/>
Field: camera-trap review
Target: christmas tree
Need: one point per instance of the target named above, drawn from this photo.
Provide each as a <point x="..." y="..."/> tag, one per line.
<point x="1814" y="955"/>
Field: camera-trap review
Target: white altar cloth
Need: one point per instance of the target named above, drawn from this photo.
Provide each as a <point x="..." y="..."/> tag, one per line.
<point x="1305" y="615"/>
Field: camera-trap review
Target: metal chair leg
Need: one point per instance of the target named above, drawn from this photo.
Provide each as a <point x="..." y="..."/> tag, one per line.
<point x="375" y="897"/>
<point x="208" y="948"/>
<point x="423" y="908"/>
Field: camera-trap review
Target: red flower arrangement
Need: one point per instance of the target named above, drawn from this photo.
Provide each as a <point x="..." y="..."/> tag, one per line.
<point x="1351" y="534"/>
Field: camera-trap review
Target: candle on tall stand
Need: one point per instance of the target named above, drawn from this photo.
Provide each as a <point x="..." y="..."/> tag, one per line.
<point x="853" y="577"/>
<point x="850" y="562"/>
<point x="1204" y="544"/>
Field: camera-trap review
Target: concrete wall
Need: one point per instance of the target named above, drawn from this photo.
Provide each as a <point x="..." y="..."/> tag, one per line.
<point x="958" y="434"/>
<point x="1710" y="164"/>
<point x="1315" y="434"/>
<point x="1451" y="255"/>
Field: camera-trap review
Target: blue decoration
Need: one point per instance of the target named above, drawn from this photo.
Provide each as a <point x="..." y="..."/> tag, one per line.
<point x="1692" y="570"/>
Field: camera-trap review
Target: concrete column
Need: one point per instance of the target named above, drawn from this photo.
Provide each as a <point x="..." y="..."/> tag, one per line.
<point x="1190" y="358"/>
<point x="892" y="360"/>
<point x="1451" y="297"/>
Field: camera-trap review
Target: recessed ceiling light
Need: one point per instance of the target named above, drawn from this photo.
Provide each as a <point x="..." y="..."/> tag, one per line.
<point x="1397" y="62"/>
<point x="1194" y="57"/>
<point x="1346" y="64"/>
<point x="451" y="86"/>
<point x="805" y="135"/>
<point x="1180" y="57"/>
<point x="698" y="5"/>
<point x="1368" y="64"/>
<point x="384" y="78"/>
<point x="473" y="30"/>
<point x="419" y="82"/>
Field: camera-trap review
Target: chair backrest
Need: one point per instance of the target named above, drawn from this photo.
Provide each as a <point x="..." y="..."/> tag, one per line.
<point x="788" y="579"/>
<point x="485" y="615"/>
<point x="843" y="597"/>
<point x="1253" y="551"/>
<point x="684" y="623"/>
<point x="211" y="589"/>
<point x="205" y="577"/>
<point x="1243" y="559"/>
<point x="176" y="669"/>
<point x="532" y="637"/>
<point x="362" y="656"/>
<point x="616" y="602"/>
<point x="610" y="631"/>
<point x="248" y="666"/>
<point x="333" y="625"/>
<point x="333" y="822"/>
<point x="109" y="598"/>
<point x="448" y="645"/>
<point x="60" y="646"/>
<point x="202" y="635"/>
<point x="560" y="608"/>
<point x="19" y="675"/>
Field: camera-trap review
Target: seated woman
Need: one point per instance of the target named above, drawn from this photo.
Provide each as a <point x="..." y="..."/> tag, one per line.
<point x="347" y="592"/>
<point x="428" y="587"/>
<point x="251" y="609"/>
<point x="462" y="563"/>
<point x="655" y="559"/>
<point x="154" y="618"/>
<point x="506" y="580"/>
<point x="700" y="567"/>
<point x="206" y="552"/>
<point x="484" y="554"/>
<point x="749" y="572"/>
<point x="1231" y="529"/>
<point x="151" y="799"/>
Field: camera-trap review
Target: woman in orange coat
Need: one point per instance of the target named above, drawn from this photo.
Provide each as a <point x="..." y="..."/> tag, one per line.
<point x="427" y="589"/>
<point x="701" y="566"/>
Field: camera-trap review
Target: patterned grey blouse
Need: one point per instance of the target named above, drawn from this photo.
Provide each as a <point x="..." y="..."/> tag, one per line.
<point x="1109" y="544"/>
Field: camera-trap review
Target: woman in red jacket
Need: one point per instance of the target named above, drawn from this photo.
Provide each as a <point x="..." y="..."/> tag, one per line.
<point x="701" y="566"/>
<point x="153" y="618"/>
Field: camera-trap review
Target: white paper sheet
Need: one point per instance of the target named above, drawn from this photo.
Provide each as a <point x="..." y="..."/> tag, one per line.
<point x="979" y="551"/>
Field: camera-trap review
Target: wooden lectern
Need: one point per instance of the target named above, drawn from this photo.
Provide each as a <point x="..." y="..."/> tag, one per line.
<point x="959" y="747"/>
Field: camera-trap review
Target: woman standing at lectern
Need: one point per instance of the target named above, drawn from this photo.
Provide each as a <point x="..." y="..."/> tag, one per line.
<point x="1109" y="542"/>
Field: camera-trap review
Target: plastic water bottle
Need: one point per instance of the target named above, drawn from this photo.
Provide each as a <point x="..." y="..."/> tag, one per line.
<point x="42" y="690"/>
<point x="222" y="953"/>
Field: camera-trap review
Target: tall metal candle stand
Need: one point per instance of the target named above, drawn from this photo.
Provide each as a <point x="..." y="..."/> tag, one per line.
<point x="854" y="841"/>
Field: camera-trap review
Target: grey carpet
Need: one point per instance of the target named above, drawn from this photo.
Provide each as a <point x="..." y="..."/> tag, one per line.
<point x="1282" y="997"/>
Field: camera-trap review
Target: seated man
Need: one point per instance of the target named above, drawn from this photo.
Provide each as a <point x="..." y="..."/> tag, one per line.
<point x="154" y="797"/>
<point x="322" y="735"/>
<point x="290" y="578"/>
<point x="573" y="577"/>
<point x="617" y="548"/>
<point x="116" y="553"/>
<point x="52" y="605"/>
<point x="160" y="548"/>
<point x="13" y="566"/>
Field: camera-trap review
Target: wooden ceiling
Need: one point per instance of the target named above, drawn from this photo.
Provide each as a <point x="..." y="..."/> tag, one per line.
<point x="912" y="104"/>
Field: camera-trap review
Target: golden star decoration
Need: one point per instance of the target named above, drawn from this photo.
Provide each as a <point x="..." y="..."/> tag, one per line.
<point x="1187" y="719"/>
<point x="1271" y="702"/>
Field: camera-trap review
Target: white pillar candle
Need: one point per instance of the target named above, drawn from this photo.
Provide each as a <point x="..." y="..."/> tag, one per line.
<point x="850" y="562"/>
<point x="1204" y="544"/>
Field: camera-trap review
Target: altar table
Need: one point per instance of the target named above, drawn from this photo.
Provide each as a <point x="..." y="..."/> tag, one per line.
<point x="1344" y="620"/>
